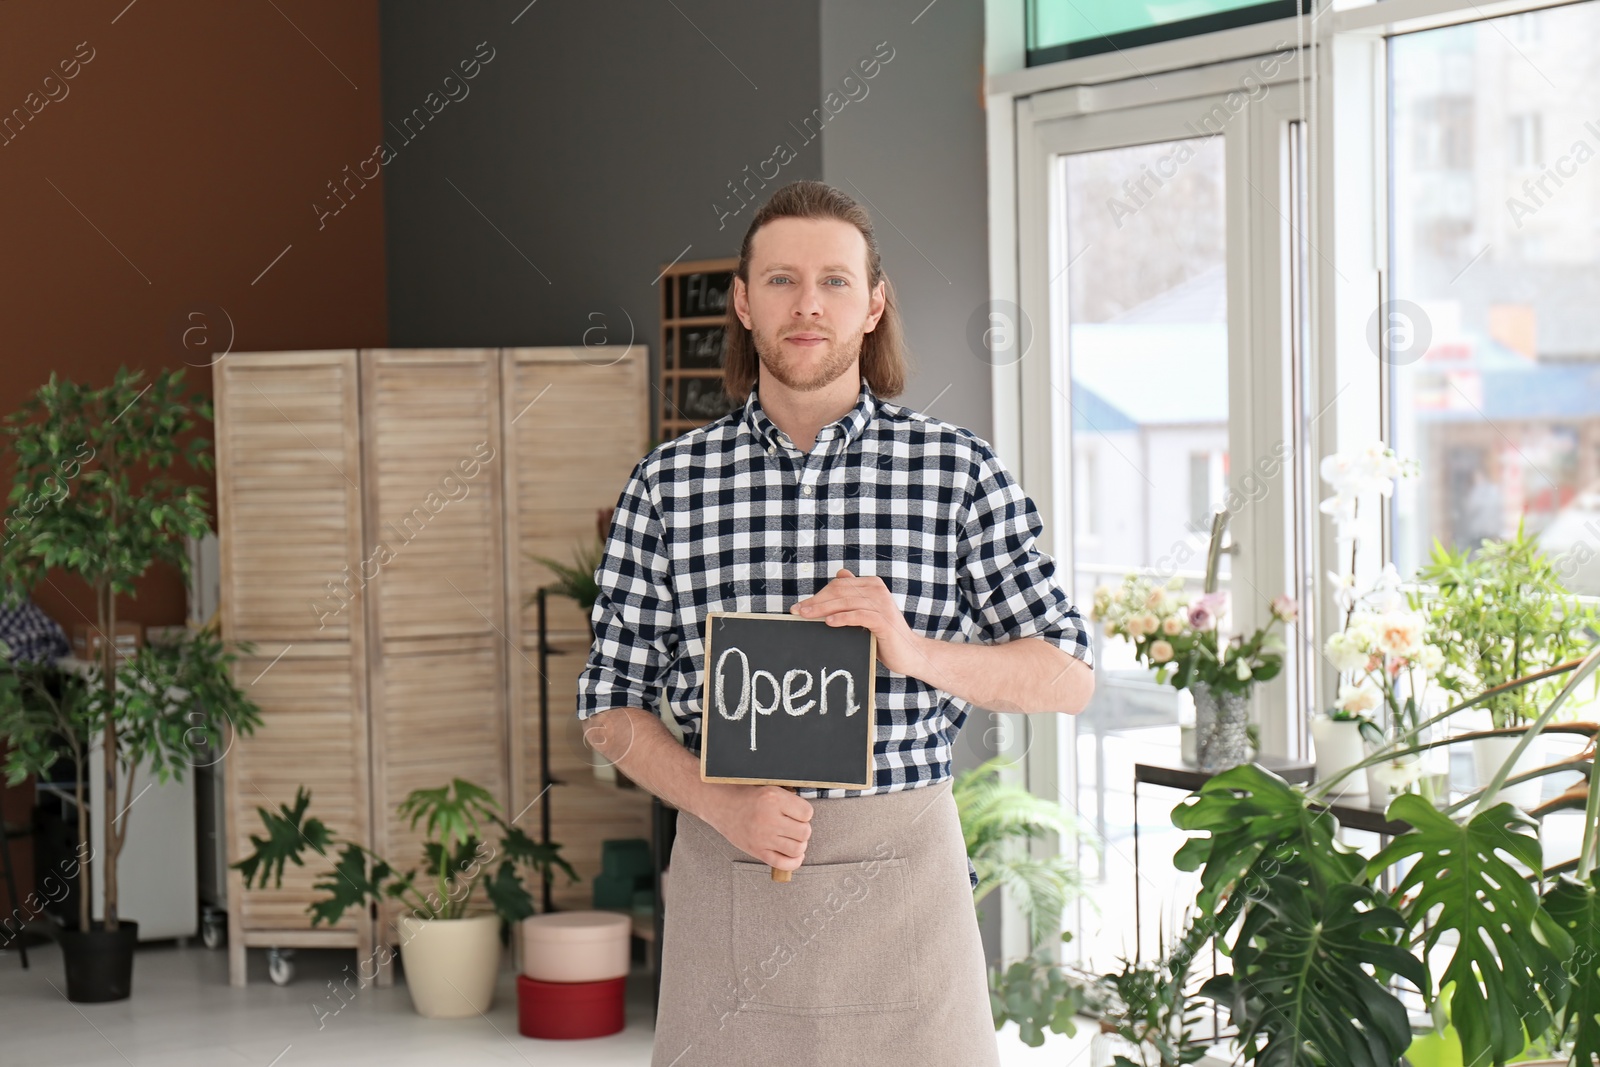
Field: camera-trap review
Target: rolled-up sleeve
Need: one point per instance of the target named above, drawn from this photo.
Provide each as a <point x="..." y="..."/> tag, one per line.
<point x="635" y="628"/>
<point x="1011" y="587"/>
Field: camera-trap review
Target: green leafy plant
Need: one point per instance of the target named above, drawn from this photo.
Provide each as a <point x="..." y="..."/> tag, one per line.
<point x="1153" y="1004"/>
<point x="1038" y="994"/>
<point x="456" y="857"/>
<point x="1500" y="613"/>
<point x="577" y="579"/>
<point x="92" y="497"/>
<point x="1319" y="940"/>
<point x="998" y="819"/>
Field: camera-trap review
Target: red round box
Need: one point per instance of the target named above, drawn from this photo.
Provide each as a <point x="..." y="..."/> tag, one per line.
<point x="562" y="1010"/>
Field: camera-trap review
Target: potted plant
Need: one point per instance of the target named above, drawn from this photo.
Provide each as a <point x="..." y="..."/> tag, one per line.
<point x="1373" y="644"/>
<point x="1501" y="612"/>
<point x="1183" y="643"/>
<point x="91" y="497"/>
<point x="1320" y="939"/>
<point x="998" y="819"/>
<point x="577" y="579"/>
<point x="1385" y="663"/>
<point x="449" y="942"/>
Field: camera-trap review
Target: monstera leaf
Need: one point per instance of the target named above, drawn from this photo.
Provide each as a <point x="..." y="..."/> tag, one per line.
<point x="1575" y="907"/>
<point x="1507" y="964"/>
<point x="1256" y="820"/>
<point x="1306" y="977"/>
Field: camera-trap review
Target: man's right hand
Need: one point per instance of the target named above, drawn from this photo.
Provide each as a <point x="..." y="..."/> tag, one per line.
<point x="770" y="823"/>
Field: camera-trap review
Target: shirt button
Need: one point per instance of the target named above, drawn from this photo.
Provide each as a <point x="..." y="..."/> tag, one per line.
<point x="806" y="490"/>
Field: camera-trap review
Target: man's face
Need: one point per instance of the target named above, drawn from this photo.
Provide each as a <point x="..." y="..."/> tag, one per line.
<point x="807" y="304"/>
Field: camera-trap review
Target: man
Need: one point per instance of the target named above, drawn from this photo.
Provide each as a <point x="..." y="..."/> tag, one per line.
<point x="819" y="497"/>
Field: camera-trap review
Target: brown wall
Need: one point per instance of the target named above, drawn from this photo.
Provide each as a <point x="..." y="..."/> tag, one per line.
<point x="191" y="145"/>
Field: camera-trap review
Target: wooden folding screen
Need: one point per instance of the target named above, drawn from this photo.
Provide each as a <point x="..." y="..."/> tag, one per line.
<point x="378" y="515"/>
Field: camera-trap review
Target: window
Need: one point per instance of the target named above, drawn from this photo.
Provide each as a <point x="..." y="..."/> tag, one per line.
<point x="1522" y="142"/>
<point x="1495" y="267"/>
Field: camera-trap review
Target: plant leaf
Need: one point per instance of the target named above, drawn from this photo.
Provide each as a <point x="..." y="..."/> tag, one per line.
<point x="1463" y="881"/>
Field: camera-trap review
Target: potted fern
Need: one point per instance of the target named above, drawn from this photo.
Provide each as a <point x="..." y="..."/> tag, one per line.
<point x="998" y="819"/>
<point x="449" y="938"/>
<point x="91" y="497"/>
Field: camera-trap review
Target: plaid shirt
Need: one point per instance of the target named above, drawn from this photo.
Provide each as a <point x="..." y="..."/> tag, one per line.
<point x="734" y="517"/>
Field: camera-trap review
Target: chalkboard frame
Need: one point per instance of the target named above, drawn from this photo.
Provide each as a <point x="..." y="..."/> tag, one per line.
<point x="869" y="775"/>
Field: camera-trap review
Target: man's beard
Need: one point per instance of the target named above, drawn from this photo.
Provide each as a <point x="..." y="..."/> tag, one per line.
<point x="841" y="356"/>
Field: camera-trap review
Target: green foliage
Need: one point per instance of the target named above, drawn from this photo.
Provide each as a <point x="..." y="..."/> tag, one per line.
<point x="1151" y="1004"/>
<point x="1303" y="989"/>
<point x="90" y="495"/>
<point x="1498" y="615"/>
<point x="1574" y="906"/>
<point x="1506" y="968"/>
<point x="1038" y="995"/>
<point x="455" y="855"/>
<point x="576" y="580"/>
<point x="1316" y="940"/>
<point x="93" y="496"/>
<point x="174" y="701"/>
<point x="997" y="820"/>
<point x="42" y="710"/>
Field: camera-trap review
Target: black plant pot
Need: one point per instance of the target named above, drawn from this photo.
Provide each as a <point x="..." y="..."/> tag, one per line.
<point x="99" y="964"/>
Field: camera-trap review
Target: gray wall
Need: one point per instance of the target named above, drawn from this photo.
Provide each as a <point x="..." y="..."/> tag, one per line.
<point x="913" y="152"/>
<point x="593" y="147"/>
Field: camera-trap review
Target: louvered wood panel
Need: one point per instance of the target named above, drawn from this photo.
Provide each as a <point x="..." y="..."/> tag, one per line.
<point x="289" y="530"/>
<point x="577" y="421"/>
<point x="431" y="424"/>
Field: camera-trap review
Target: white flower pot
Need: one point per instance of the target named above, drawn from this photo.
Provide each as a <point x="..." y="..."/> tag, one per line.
<point x="1338" y="745"/>
<point x="450" y="964"/>
<point x="1488" y="753"/>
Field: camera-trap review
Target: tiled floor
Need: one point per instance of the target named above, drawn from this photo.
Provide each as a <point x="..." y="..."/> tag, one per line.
<point x="183" y="1013"/>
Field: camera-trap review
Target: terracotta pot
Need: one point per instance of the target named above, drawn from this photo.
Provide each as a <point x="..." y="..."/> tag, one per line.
<point x="450" y="964"/>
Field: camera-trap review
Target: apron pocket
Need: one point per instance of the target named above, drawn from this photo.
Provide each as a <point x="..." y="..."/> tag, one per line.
<point x="838" y="939"/>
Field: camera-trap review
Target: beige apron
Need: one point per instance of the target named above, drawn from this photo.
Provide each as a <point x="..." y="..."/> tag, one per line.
<point x="870" y="955"/>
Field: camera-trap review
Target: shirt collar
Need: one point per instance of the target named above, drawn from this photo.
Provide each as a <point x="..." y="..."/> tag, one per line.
<point x="849" y="426"/>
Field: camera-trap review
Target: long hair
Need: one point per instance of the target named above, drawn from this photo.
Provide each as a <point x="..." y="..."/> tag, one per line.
<point x="883" y="350"/>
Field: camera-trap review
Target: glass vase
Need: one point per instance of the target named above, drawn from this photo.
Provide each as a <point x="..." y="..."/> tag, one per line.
<point x="1221" y="718"/>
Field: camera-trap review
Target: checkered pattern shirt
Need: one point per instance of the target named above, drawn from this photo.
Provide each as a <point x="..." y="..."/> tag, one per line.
<point x="734" y="517"/>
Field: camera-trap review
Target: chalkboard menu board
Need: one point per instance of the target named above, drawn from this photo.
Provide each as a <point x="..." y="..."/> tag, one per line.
<point x="787" y="701"/>
<point x="694" y="309"/>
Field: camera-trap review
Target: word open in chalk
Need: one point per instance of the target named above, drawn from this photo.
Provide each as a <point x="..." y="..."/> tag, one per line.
<point x="785" y="695"/>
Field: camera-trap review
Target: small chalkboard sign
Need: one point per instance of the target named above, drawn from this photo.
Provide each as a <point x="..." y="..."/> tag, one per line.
<point x="787" y="701"/>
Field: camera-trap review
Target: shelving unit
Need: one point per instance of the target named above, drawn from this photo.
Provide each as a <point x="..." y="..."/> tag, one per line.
<point x="694" y="308"/>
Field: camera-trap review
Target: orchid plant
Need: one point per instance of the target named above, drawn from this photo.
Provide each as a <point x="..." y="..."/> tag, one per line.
<point x="1181" y="639"/>
<point x="1381" y="653"/>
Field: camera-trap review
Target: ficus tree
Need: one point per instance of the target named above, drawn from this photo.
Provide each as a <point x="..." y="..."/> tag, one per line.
<point x="94" y="496"/>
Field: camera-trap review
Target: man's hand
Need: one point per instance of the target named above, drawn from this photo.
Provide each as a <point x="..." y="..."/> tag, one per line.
<point x="768" y="822"/>
<point x="851" y="601"/>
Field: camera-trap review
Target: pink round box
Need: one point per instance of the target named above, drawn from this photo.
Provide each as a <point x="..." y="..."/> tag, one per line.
<point x="576" y="946"/>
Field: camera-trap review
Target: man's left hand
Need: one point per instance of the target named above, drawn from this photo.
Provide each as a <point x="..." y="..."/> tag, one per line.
<point x="851" y="601"/>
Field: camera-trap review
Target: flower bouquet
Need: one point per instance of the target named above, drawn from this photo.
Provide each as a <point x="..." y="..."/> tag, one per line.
<point x="1182" y="640"/>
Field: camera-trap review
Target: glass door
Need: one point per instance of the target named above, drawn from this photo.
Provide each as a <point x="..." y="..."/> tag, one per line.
<point x="1171" y="353"/>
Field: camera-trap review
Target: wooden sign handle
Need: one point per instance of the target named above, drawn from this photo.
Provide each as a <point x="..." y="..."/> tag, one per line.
<point x="780" y="875"/>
